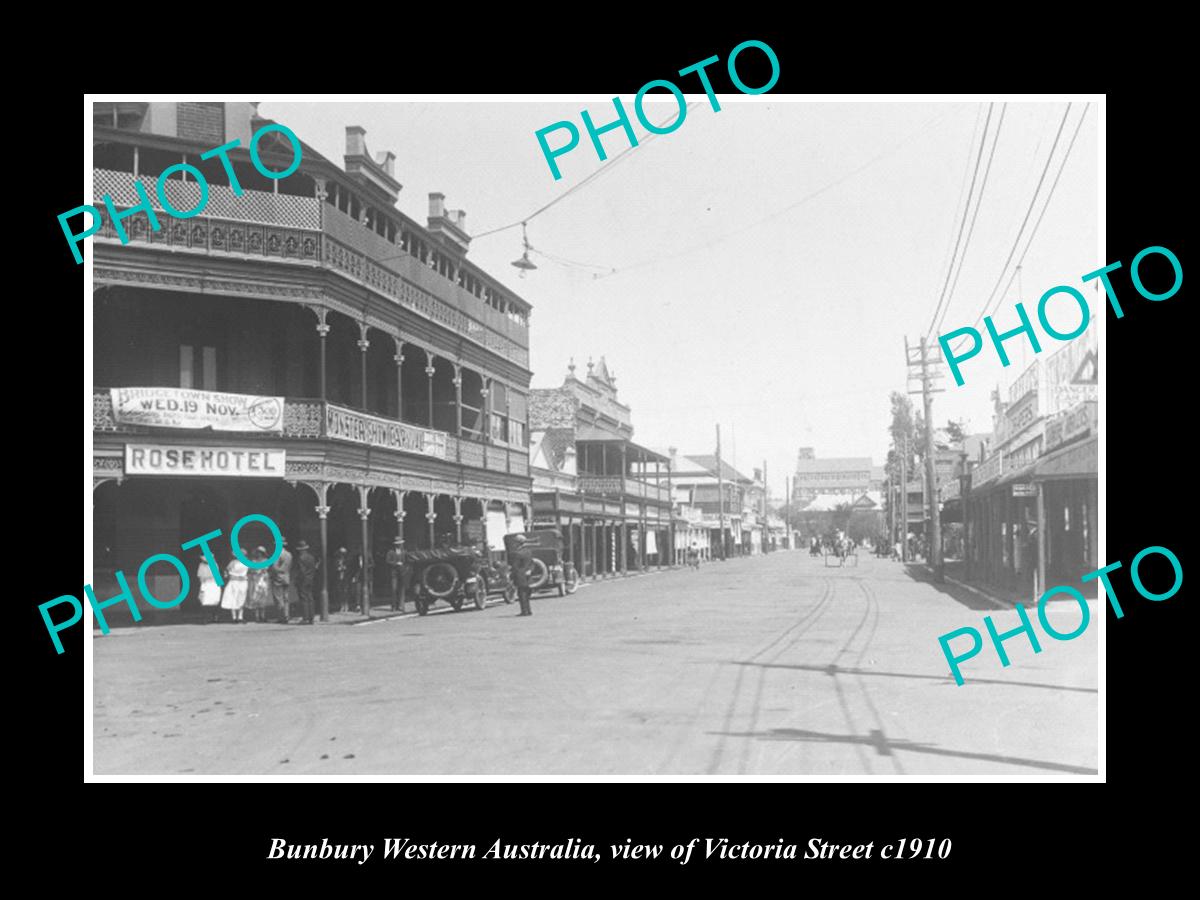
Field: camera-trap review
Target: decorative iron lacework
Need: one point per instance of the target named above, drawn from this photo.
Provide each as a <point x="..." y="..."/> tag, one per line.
<point x="252" y="206"/>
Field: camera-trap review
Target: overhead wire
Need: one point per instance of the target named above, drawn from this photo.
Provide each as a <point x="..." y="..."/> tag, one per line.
<point x="962" y="225"/>
<point x="582" y="182"/>
<point x="1049" y="194"/>
<point x="971" y="230"/>
<point x="962" y="187"/>
<point x="1020" y="232"/>
<point x="812" y="195"/>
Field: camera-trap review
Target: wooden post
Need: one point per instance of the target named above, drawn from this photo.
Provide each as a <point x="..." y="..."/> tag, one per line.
<point x="904" y="500"/>
<point x="1040" y="572"/>
<point x="720" y="496"/>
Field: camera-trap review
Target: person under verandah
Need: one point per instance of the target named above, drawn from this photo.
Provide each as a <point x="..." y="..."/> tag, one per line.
<point x="258" y="590"/>
<point x="234" y="597"/>
<point x="210" y="592"/>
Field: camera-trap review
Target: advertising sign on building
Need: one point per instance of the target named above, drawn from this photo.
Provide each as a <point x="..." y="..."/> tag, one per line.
<point x="1069" y="376"/>
<point x="359" y="428"/>
<point x="1077" y="422"/>
<point x="165" y="407"/>
<point x="154" y="459"/>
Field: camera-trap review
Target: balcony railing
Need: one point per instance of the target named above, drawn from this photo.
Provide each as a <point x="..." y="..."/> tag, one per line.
<point x="261" y="207"/>
<point x="282" y="227"/>
<point x="616" y="485"/>
<point x="321" y="420"/>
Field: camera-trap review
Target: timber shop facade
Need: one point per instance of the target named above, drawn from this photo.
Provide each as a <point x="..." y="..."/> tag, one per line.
<point x="303" y="351"/>
<point x="608" y="496"/>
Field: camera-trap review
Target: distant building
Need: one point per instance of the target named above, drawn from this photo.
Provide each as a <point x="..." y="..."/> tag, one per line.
<point x="610" y="497"/>
<point x="696" y="485"/>
<point x="850" y="476"/>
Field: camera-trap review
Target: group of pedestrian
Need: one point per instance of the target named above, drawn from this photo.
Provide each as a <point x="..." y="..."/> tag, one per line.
<point x="258" y="590"/>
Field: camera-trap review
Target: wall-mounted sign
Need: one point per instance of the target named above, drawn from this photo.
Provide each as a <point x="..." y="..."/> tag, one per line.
<point x="165" y="407"/>
<point x="155" y="459"/>
<point x="359" y="428"/>
<point x="1079" y="421"/>
<point x="1024" y="490"/>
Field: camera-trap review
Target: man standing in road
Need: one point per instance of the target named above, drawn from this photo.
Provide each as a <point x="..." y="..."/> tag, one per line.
<point x="396" y="573"/>
<point x="520" y="561"/>
<point x="306" y="577"/>
<point x="281" y="583"/>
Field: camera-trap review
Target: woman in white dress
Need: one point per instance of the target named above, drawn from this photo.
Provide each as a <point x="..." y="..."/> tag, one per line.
<point x="210" y="592"/>
<point x="234" y="597"/>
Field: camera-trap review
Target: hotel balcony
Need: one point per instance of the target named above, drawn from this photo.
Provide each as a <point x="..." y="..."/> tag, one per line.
<point x="306" y="232"/>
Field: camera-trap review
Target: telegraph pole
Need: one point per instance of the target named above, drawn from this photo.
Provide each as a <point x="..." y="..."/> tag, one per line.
<point x="720" y="495"/>
<point x="788" y="509"/>
<point x="935" y="515"/>
<point x="904" y="499"/>
<point x="766" y="532"/>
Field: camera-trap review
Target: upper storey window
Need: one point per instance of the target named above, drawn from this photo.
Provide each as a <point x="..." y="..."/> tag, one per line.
<point x="119" y="115"/>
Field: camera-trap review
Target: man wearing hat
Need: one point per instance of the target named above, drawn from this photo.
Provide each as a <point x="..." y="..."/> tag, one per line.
<point x="281" y="582"/>
<point x="397" y="573"/>
<point x="306" y="577"/>
<point x="520" y="562"/>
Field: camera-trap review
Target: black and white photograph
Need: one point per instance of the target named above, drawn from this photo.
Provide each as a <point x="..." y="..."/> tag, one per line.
<point x="732" y="435"/>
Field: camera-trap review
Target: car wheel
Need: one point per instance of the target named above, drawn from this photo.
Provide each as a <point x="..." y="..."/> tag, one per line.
<point x="480" y="596"/>
<point x="510" y="592"/>
<point x="440" y="580"/>
<point x="570" y="579"/>
<point x="540" y="574"/>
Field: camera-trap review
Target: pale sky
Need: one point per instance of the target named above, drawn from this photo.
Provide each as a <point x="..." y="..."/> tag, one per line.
<point x="785" y="325"/>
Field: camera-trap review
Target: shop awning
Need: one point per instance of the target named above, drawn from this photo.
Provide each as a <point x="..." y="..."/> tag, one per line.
<point x="1073" y="461"/>
<point x="1024" y="473"/>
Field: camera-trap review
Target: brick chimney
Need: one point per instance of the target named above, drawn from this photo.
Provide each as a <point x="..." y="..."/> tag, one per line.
<point x="356" y="140"/>
<point x="387" y="162"/>
<point x="437" y="205"/>
<point x="449" y="225"/>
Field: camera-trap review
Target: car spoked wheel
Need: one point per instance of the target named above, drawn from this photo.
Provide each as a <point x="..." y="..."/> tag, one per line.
<point x="480" y="596"/>
<point x="570" y="580"/>
<point x="440" y="580"/>
<point x="539" y="575"/>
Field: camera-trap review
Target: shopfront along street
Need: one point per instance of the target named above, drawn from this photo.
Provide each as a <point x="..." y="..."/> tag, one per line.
<point x="769" y="665"/>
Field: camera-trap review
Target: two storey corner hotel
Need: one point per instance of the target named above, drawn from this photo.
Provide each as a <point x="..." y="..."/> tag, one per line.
<point x="304" y="351"/>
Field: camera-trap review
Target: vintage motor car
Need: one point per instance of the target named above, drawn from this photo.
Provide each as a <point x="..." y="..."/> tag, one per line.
<point x="454" y="574"/>
<point x="550" y="571"/>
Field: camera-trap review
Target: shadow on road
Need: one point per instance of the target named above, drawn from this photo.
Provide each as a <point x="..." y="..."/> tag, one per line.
<point x="833" y="669"/>
<point x="885" y="747"/>
<point x="969" y="599"/>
